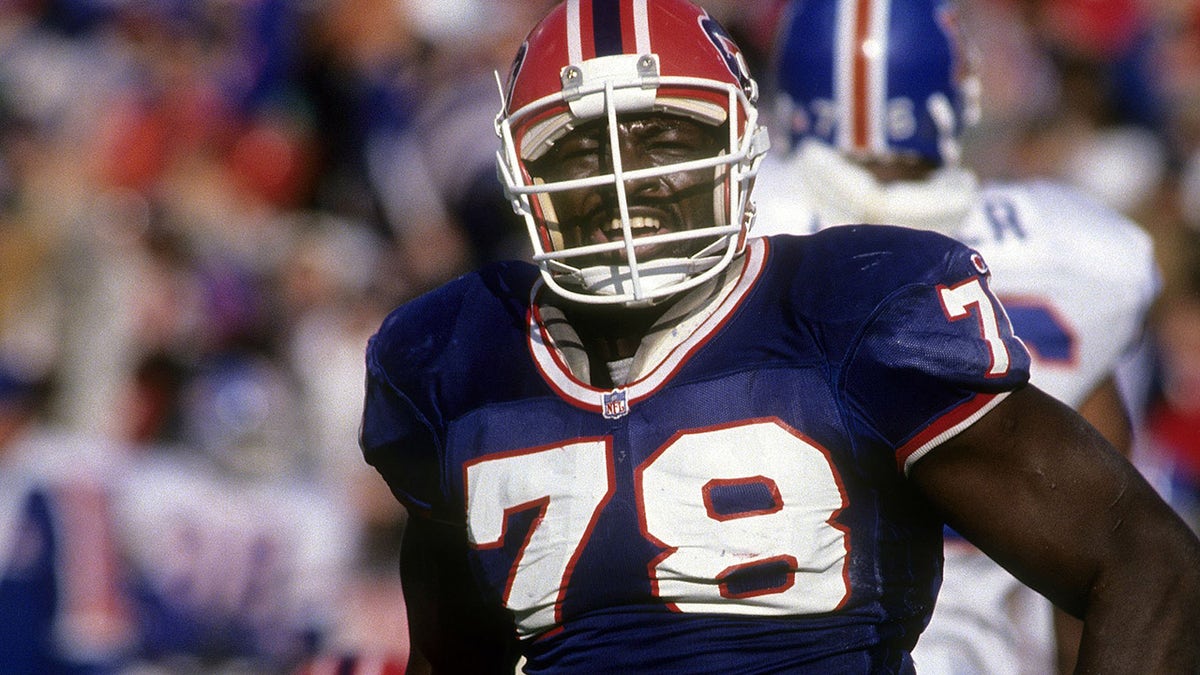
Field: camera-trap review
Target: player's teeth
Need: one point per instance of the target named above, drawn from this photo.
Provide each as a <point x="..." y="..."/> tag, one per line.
<point x="635" y="223"/>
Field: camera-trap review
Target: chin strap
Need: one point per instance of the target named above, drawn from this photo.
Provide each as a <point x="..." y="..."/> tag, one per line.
<point x="843" y="192"/>
<point x="653" y="275"/>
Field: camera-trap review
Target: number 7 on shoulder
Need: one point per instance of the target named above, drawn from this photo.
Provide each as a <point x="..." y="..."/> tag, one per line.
<point x="970" y="299"/>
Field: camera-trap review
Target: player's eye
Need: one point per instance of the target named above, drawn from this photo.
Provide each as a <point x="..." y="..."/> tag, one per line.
<point x="579" y="150"/>
<point x="677" y="139"/>
<point x="674" y="143"/>
<point x="573" y="156"/>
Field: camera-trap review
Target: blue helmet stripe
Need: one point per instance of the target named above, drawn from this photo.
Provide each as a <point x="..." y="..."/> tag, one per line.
<point x="606" y="27"/>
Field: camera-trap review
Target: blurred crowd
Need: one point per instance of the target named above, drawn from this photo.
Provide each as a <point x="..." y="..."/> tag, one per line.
<point x="207" y="207"/>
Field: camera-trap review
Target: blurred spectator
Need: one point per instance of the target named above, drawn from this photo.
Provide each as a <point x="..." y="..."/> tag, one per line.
<point x="1174" y="416"/>
<point x="435" y="176"/>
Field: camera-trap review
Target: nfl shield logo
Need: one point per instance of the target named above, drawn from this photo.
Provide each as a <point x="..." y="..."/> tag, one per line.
<point x="615" y="404"/>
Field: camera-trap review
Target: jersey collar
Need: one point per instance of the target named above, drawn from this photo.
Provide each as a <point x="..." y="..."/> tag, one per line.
<point x="659" y="359"/>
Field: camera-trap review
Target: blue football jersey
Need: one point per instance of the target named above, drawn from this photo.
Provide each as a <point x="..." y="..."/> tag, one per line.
<point x="743" y="505"/>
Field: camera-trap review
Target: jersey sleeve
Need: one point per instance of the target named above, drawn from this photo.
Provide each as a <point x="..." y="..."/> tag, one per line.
<point x="935" y="356"/>
<point x="433" y="360"/>
<point x="398" y="440"/>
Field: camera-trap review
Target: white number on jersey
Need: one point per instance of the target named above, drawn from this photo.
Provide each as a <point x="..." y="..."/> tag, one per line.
<point x="568" y="485"/>
<point x="707" y="548"/>
<point x="780" y="553"/>
<point x="958" y="303"/>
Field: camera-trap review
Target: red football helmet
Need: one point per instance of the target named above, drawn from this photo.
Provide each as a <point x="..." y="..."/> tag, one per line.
<point x="596" y="59"/>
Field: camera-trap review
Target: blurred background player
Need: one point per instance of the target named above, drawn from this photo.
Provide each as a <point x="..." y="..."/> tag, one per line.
<point x="250" y="558"/>
<point x="876" y="97"/>
<point x="61" y="609"/>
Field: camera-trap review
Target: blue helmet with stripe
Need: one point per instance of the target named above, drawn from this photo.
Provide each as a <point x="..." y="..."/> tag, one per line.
<point x="876" y="79"/>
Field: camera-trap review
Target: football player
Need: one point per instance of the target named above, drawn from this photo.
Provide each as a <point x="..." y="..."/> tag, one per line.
<point x="249" y="556"/>
<point x="877" y="96"/>
<point x="61" y="607"/>
<point x="666" y="447"/>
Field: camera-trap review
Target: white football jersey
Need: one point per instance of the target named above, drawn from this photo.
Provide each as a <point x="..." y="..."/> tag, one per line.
<point x="1077" y="280"/>
<point x="231" y="566"/>
<point x="57" y="541"/>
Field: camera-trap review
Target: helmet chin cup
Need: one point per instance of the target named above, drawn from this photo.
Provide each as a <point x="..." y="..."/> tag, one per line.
<point x="652" y="277"/>
<point x="633" y="284"/>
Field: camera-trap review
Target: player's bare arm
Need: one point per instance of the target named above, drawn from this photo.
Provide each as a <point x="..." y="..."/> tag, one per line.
<point x="1105" y="410"/>
<point x="1042" y="492"/>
